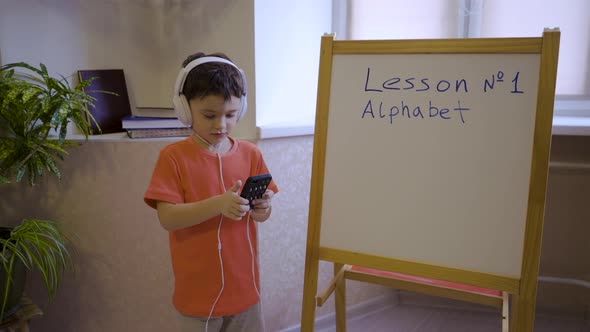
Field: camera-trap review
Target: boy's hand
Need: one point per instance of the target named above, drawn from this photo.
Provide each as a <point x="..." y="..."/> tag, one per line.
<point x="234" y="206"/>
<point x="262" y="206"/>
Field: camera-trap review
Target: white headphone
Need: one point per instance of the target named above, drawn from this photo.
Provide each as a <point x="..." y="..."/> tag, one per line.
<point x="181" y="104"/>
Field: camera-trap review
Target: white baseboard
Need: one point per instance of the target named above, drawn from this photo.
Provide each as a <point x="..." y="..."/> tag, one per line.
<point x="407" y="298"/>
<point x="429" y="301"/>
<point x="353" y="312"/>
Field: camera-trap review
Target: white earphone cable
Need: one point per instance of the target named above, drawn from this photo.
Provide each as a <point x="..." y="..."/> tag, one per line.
<point x="218" y="248"/>
<point x="254" y="257"/>
<point x="255" y="261"/>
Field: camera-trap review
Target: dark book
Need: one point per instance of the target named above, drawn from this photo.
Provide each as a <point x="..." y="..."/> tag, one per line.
<point x="154" y="112"/>
<point x="112" y="100"/>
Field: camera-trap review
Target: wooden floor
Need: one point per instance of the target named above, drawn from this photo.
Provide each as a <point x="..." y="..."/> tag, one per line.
<point x="415" y="318"/>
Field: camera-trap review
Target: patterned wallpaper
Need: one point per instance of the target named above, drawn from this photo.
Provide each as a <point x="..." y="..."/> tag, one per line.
<point x="284" y="236"/>
<point x="124" y="280"/>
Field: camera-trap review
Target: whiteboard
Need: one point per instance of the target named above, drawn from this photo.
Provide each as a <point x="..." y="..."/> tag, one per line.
<point x="428" y="158"/>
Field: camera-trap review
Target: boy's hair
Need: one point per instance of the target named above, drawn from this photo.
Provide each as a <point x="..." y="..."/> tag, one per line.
<point x="212" y="78"/>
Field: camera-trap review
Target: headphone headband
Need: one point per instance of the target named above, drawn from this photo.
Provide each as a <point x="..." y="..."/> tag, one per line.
<point x="179" y="100"/>
<point x="184" y="71"/>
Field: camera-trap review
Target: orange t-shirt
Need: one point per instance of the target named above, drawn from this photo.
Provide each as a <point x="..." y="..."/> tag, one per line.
<point x="185" y="173"/>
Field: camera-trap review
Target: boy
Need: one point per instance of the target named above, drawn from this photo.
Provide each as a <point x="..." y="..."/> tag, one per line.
<point x="195" y="188"/>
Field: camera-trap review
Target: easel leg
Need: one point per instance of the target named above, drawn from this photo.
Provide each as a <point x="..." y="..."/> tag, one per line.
<point x="522" y="314"/>
<point x="340" y="300"/>
<point x="514" y="311"/>
<point x="505" y="312"/>
<point x="310" y="286"/>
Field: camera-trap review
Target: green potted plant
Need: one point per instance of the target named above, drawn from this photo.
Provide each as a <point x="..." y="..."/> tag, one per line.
<point x="35" y="110"/>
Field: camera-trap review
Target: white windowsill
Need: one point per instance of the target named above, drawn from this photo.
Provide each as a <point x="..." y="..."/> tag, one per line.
<point x="270" y="131"/>
<point x="119" y="137"/>
<point x="571" y="125"/>
<point x="562" y="125"/>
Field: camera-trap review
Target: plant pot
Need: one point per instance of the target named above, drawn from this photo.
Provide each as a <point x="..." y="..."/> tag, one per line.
<point x="19" y="274"/>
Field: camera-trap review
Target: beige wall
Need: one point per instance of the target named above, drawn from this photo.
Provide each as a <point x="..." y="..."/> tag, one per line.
<point x="148" y="39"/>
<point x="124" y="282"/>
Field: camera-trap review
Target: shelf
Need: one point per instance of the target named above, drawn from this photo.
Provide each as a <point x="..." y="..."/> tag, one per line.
<point x="562" y="125"/>
<point x="120" y="137"/>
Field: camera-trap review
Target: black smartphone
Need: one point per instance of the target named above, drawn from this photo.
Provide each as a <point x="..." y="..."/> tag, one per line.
<point x="255" y="187"/>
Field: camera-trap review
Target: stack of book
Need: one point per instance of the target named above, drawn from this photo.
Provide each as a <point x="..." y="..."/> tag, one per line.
<point x="154" y="122"/>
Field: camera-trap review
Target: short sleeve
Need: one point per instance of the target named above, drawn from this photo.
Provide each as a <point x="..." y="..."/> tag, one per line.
<point x="263" y="169"/>
<point x="165" y="184"/>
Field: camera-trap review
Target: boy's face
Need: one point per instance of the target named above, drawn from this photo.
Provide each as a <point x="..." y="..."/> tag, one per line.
<point x="214" y="118"/>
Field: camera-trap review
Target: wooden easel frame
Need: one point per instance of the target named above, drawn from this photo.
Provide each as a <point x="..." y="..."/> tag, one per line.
<point x="523" y="290"/>
<point x="346" y="272"/>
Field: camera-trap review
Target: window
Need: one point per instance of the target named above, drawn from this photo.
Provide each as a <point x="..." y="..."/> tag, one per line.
<point x="505" y="18"/>
<point x="287" y="51"/>
<point x="399" y="19"/>
<point x="287" y="48"/>
<point x="418" y="19"/>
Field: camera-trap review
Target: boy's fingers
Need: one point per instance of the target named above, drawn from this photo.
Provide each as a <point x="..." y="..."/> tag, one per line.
<point x="236" y="187"/>
<point x="241" y="200"/>
<point x="261" y="204"/>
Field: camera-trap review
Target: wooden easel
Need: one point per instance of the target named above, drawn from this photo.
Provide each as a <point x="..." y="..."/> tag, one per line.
<point x="487" y="297"/>
<point x="522" y="288"/>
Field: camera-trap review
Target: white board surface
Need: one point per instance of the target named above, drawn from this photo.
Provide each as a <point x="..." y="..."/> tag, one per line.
<point x="434" y="168"/>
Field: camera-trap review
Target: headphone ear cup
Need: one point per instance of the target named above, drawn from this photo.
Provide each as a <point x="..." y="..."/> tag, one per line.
<point x="244" y="107"/>
<point x="245" y="96"/>
<point x="182" y="109"/>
